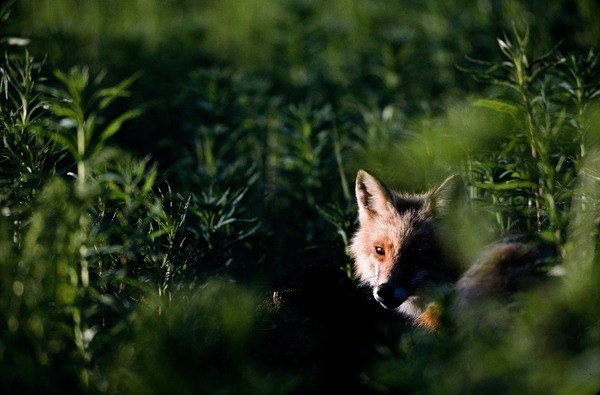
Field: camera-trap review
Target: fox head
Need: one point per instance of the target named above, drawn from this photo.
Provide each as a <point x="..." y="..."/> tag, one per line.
<point x="397" y="248"/>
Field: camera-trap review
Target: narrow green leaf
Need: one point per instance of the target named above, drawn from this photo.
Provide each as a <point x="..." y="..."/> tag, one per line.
<point x="500" y="106"/>
<point x="116" y="124"/>
<point x="65" y="110"/>
<point x="150" y="179"/>
<point x="505" y="186"/>
<point x="157" y="233"/>
<point x="109" y="95"/>
<point x="66" y="140"/>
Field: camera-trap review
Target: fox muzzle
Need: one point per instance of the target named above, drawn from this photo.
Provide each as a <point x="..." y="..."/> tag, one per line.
<point x="390" y="296"/>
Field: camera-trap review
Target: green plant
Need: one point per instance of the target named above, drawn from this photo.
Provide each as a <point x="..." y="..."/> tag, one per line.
<point x="531" y="179"/>
<point x="27" y="157"/>
<point x="79" y="106"/>
<point x="55" y="281"/>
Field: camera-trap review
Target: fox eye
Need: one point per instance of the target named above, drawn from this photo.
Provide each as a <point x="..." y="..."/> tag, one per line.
<point x="379" y="250"/>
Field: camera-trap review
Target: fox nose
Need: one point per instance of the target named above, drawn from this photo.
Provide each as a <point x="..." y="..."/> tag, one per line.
<point x="389" y="296"/>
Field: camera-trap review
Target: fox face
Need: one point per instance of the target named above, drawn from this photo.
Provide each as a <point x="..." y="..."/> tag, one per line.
<point x="397" y="248"/>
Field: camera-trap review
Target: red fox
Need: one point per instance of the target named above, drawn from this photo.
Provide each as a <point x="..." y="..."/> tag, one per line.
<point x="402" y="251"/>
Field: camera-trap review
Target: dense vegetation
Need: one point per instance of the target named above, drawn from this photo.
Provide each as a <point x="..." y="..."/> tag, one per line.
<point x="164" y="164"/>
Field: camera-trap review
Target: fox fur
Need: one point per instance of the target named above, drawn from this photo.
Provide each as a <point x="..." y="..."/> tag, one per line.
<point x="402" y="250"/>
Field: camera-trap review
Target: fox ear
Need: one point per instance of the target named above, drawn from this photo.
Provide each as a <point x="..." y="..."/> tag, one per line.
<point x="372" y="196"/>
<point x="449" y="195"/>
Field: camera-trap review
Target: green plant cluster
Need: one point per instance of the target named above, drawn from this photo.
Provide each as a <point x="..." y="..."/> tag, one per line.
<point x="157" y="178"/>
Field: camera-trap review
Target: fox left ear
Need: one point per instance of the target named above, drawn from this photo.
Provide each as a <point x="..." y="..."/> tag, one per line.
<point x="449" y="195"/>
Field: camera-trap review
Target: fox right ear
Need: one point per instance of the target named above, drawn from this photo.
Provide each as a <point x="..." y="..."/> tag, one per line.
<point x="448" y="196"/>
<point x="372" y="196"/>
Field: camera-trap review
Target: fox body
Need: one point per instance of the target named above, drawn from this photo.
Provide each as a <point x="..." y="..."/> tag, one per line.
<point x="401" y="250"/>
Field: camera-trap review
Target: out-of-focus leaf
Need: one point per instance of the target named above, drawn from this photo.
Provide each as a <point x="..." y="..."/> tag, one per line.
<point x="501" y="106"/>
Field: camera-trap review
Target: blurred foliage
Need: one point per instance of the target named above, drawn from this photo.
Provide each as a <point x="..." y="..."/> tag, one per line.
<point x="164" y="162"/>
